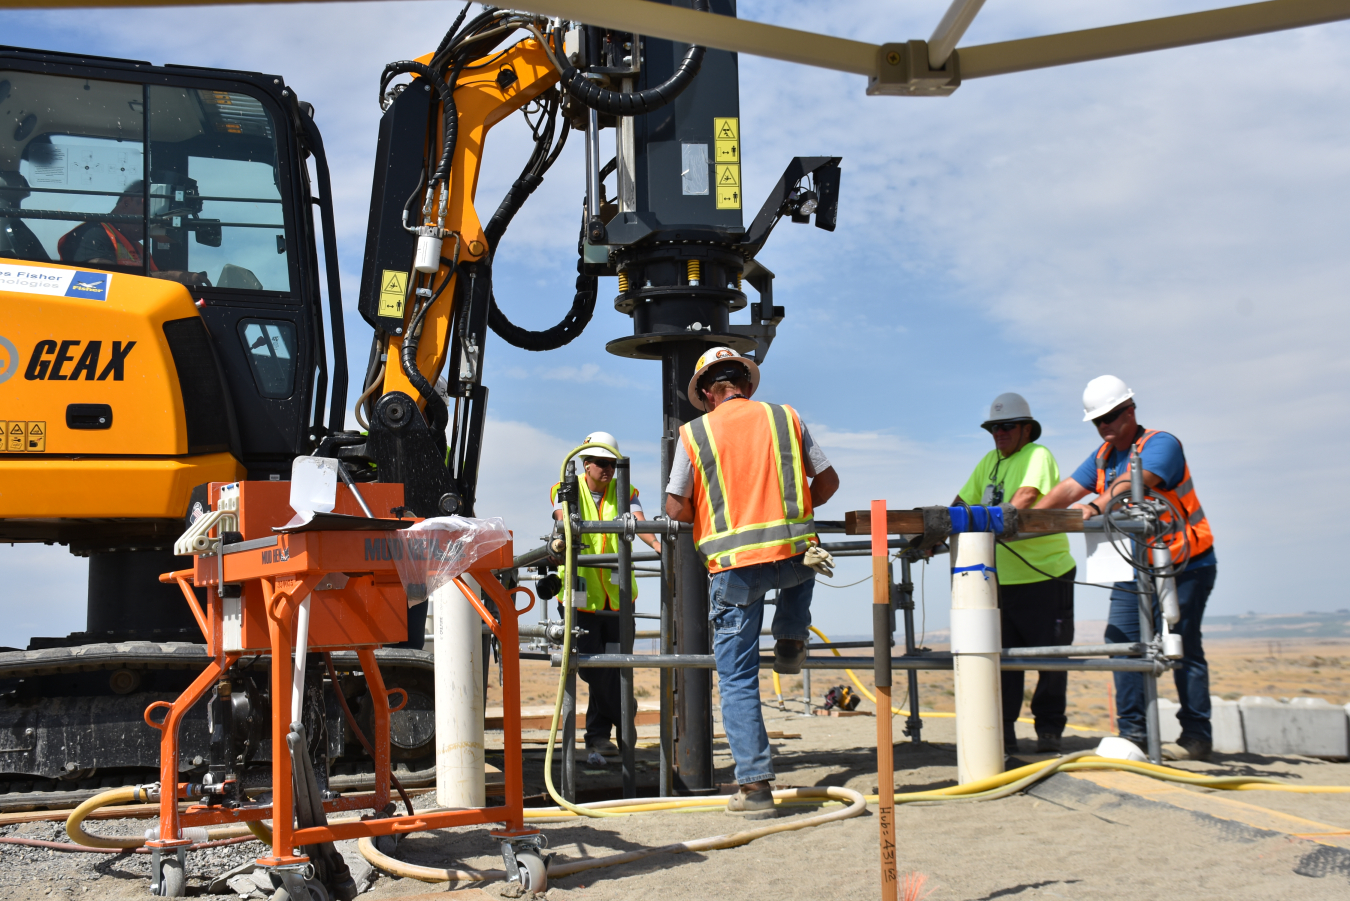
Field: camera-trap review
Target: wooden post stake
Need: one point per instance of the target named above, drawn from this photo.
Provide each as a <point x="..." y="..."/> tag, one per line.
<point x="881" y="651"/>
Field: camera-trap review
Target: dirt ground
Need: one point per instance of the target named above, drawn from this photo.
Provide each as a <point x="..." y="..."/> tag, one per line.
<point x="1083" y="836"/>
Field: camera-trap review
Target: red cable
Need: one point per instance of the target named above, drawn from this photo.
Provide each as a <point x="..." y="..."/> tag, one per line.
<point x="71" y="847"/>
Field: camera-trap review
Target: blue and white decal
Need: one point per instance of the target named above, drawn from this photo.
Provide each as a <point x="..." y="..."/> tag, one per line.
<point x="25" y="278"/>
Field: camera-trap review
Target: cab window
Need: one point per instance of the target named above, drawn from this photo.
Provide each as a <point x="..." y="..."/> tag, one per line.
<point x="169" y="182"/>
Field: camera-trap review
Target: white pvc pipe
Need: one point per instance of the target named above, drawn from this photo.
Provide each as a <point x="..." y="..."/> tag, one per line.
<point x="976" y="641"/>
<point x="298" y="670"/>
<point x="950" y="30"/>
<point x="460" y="763"/>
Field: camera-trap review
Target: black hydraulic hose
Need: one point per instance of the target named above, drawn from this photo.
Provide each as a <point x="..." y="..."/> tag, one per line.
<point x="450" y="34"/>
<point x="572" y="325"/>
<point x="447" y="94"/>
<point x="587" y="286"/>
<point x="439" y="413"/>
<point x="636" y="103"/>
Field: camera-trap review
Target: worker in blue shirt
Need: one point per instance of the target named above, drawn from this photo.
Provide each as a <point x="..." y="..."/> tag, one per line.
<point x="1109" y="404"/>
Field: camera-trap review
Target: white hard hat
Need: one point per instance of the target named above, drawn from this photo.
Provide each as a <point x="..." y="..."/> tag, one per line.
<point x="600" y="438"/>
<point x="1102" y="394"/>
<point x="711" y="358"/>
<point x="1012" y="407"/>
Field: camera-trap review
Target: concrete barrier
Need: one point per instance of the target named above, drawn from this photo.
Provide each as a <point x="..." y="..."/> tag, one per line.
<point x="1225" y="721"/>
<point x="1311" y="727"/>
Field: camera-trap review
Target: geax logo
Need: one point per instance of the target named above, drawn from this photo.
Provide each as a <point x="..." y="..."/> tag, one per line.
<point x="49" y="361"/>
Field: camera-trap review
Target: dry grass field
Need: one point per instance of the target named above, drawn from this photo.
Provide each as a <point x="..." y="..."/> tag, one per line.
<point x="1280" y="668"/>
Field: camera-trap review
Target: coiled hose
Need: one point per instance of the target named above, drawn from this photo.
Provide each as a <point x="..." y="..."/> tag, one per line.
<point x="855" y="803"/>
<point x="778" y="690"/>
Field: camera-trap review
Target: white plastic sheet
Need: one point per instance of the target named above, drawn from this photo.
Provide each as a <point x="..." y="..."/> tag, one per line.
<point x="430" y="554"/>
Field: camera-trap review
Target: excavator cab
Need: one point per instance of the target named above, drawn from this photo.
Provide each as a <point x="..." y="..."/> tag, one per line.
<point x="161" y="315"/>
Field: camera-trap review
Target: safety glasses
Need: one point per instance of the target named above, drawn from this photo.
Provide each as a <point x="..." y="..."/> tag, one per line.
<point x="1112" y="416"/>
<point x="1004" y="426"/>
<point x="599" y="462"/>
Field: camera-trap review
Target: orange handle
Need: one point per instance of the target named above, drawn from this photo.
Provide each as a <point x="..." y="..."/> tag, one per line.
<point x="401" y="704"/>
<point x="512" y="591"/>
<point x="167" y="705"/>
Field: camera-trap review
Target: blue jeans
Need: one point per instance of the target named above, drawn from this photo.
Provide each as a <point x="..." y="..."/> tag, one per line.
<point x="1191" y="677"/>
<point x="736" y="610"/>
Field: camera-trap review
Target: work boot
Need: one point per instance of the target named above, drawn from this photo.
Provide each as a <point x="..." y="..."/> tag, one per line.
<point x="1048" y="742"/>
<point x="602" y="746"/>
<point x="754" y="801"/>
<point x="788" y="656"/>
<point x="1188" y="748"/>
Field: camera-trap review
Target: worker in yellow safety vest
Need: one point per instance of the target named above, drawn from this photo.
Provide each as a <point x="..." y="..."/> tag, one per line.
<point x="1108" y="403"/>
<point x="595" y="593"/>
<point x="749" y="480"/>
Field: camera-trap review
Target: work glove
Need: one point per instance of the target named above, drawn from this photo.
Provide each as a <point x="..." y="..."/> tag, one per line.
<point x="820" y="560"/>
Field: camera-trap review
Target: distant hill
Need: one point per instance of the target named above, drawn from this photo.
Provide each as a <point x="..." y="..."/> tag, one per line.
<point x="1256" y="626"/>
<point x="1280" y="625"/>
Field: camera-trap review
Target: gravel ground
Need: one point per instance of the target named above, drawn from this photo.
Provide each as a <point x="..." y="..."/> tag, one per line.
<point x="1068" y="838"/>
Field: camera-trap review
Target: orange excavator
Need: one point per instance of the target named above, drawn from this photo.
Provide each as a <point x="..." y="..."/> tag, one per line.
<point x="165" y="324"/>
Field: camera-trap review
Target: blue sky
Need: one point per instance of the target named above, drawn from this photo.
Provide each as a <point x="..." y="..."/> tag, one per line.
<point x="1177" y="219"/>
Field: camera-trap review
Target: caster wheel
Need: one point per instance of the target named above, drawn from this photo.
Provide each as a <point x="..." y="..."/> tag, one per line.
<point x="317" y="892"/>
<point x="173" y="881"/>
<point x="533" y="873"/>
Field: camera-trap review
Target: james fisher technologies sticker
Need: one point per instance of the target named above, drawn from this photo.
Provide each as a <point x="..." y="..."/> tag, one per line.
<point x="54" y="282"/>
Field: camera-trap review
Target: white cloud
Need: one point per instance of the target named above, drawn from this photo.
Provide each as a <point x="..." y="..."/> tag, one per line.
<point x="585" y="374"/>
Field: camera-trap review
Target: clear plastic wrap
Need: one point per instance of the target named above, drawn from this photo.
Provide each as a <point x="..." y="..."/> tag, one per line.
<point x="433" y="552"/>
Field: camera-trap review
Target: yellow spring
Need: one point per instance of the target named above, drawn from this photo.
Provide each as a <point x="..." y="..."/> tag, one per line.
<point x="693" y="270"/>
<point x="623" y="281"/>
<point x="738" y="281"/>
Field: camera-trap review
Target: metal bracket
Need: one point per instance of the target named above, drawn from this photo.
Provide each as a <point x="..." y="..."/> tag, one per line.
<point x="903" y="71"/>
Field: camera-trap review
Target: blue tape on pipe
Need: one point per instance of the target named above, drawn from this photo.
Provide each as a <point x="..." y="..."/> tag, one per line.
<point x="977" y="568"/>
<point x="976" y="519"/>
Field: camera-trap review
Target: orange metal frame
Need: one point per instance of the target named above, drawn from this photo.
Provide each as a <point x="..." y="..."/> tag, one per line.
<point x="340" y="619"/>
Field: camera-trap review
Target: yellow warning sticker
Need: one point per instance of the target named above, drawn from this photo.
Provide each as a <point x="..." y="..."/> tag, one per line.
<point x="726" y="129"/>
<point x="393" y="292"/>
<point x="15" y="433"/>
<point x="728" y="186"/>
<point x="728" y="152"/>
<point x="36" y="439"/>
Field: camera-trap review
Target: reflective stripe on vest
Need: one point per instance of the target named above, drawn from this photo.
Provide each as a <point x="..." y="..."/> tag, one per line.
<point x="1196" y="533"/>
<point x="601" y="592"/>
<point x="125" y="251"/>
<point x="740" y="518"/>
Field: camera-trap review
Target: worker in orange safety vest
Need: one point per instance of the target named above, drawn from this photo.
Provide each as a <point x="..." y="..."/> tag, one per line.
<point x="749" y="480"/>
<point x="1109" y="404"/>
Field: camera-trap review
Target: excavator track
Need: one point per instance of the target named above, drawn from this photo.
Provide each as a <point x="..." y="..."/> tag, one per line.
<point x="58" y="707"/>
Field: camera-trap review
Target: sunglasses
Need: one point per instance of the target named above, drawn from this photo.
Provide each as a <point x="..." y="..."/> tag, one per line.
<point x="600" y="462"/>
<point x="1004" y="426"/>
<point x="1111" y="417"/>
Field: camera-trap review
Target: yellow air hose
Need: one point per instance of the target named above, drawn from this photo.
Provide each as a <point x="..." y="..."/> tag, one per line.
<point x="567" y="654"/>
<point x="855" y="803"/>
<point x="148" y="794"/>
